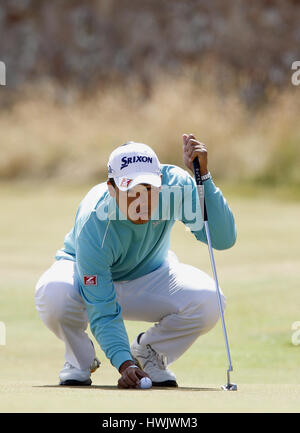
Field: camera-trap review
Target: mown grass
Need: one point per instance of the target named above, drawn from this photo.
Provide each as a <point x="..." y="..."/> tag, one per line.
<point x="259" y="276"/>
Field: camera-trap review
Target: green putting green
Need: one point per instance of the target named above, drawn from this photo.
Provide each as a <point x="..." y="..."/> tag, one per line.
<point x="259" y="276"/>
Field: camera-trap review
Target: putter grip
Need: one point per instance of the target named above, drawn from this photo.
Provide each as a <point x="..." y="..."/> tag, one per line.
<point x="199" y="182"/>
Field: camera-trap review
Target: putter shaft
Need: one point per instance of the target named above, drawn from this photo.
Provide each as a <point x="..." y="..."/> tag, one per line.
<point x="199" y="182"/>
<point x="212" y="260"/>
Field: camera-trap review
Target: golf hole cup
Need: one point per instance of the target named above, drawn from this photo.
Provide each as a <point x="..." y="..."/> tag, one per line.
<point x="145" y="383"/>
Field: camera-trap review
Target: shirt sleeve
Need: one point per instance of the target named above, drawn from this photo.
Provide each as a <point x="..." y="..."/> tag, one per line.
<point x="220" y="217"/>
<point x="97" y="290"/>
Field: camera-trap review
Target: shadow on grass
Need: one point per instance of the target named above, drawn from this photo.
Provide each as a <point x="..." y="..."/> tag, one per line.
<point x="115" y="388"/>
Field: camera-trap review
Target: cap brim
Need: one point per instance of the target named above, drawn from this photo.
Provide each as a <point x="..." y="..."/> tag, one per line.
<point x="127" y="183"/>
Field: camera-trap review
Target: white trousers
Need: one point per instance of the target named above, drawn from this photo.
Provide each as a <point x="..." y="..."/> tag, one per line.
<point x="179" y="299"/>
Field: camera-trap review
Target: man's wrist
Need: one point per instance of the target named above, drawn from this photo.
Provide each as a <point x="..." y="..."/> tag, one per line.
<point x="205" y="176"/>
<point x="125" y="365"/>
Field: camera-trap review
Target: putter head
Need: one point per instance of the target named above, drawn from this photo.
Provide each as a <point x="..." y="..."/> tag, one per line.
<point x="229" y="387"/>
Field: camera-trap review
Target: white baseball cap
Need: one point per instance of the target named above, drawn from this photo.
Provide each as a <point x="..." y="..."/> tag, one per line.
<point x="132" y="164"/>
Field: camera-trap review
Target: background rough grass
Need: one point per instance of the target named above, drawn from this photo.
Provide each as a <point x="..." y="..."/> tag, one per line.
<point x="43" y="139"/>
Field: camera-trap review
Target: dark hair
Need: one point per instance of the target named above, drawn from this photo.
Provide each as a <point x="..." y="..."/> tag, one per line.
<point x="112" y="181"/>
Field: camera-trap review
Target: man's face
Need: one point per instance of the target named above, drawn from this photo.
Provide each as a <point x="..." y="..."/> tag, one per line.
<point x="138" y="203"/>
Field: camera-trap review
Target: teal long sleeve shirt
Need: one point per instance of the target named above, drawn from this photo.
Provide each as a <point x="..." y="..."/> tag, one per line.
<point x="107" y="249"/>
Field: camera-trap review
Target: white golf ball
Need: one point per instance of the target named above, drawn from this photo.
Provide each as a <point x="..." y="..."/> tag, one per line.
<point x="145" y="383"/>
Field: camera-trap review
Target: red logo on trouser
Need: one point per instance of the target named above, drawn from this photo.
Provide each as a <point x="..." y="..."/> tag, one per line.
<point x="90" y="280"/>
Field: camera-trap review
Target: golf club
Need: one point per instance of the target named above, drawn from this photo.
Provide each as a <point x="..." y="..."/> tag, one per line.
<point x="229" y="386"/>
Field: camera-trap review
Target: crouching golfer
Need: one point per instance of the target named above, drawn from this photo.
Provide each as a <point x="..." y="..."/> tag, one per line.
<point x="116" y="265"/>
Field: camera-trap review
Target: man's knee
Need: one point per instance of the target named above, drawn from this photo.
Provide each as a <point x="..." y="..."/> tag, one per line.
<point x="52" y="301"/>
<point x="205" y="309"/>
<point x="211" y="308"/>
